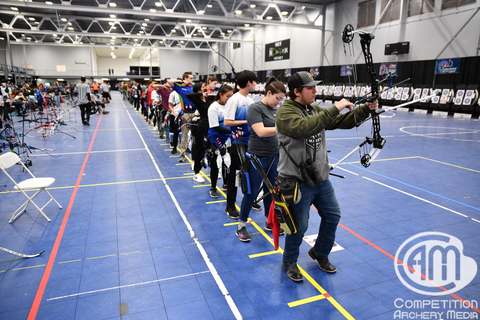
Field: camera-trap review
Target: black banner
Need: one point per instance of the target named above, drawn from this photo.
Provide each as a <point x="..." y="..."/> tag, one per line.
<point x="279" y="50"/>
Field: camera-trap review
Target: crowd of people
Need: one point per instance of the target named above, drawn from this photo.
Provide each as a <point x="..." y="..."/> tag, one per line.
<point x="226" y="129"/>
<point x="22" y="98"/>
<point x="287" y="136"/>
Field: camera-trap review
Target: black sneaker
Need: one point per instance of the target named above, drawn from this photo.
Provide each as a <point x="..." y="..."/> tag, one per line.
<point x="293" y="272"/>
<point x="232" y="213"/>
<point x="267" y="228"/>
<point x="214" y="193"/>
<point x="323" y="263"/>
<point x="243" y="234"/>
<point x="224" y="187"/>
<point x="174" y="150"/>
<point x="256" y="206"/>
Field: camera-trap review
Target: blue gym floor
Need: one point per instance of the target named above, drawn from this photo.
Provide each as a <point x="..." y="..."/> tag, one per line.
<point x="137" y="238"/>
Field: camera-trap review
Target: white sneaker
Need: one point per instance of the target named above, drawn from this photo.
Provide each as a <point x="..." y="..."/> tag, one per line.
<point x="198" y="178"/>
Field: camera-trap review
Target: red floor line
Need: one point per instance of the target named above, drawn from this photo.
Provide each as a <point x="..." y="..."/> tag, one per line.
<point x="401" y="262"/>
<point x="53" y="255"/>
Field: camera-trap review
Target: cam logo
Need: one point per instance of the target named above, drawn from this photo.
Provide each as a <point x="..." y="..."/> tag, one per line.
<point x="432" y="260"/>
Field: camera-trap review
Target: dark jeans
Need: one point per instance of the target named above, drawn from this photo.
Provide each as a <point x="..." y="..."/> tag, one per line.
<point x="198" y="151"/>
<point x="174" y="131"/>
<point x="255" y="182"/>
<point x="322" y="196"/>
<point x="232" y="175"/>
<point x="136" y="103"/>
<point x="85" y="112"/>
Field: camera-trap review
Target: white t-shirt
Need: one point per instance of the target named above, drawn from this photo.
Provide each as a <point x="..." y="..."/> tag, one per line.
<point x="174" y="99"/>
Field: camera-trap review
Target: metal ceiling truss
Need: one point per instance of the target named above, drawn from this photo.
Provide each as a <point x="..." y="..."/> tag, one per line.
<point x="142" y="23"/>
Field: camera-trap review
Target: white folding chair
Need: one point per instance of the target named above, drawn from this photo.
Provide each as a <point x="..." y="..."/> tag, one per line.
<point x="10" y="159"/>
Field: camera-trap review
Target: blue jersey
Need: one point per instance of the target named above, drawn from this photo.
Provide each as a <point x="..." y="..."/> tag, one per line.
<point x="182" y="90"/>
<point x="216" y="117"/>
<point x="236" y="109"/>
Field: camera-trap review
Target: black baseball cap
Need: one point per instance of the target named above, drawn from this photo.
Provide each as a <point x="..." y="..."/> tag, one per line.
<point x="301" y="79"/>
<point x="83" y="79"/>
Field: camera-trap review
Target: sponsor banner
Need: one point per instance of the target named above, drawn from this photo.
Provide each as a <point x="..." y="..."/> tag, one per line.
<point x="447" y="66"/>
<point x="279" y="50"/>
<point x="346" y="70"/>
<point x="386" y="68"/>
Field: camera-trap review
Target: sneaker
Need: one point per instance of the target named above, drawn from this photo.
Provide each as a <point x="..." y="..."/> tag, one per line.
<point x="267" y="228"/>
<point x="174" y="150"/>
<point x="181" y="159"/>
<point x="243" y="234"/>
<point x="167" y="141"/>
<point x="323" y="263"/>
<point x="232" y="213"/>
<point x="224" y="187"/>
<point x="214" y="193"/>
<point x="198" y="178"/>
<point x="188" y="150"/>
<point x="256" y="206"/>
<point x="293" y="272"/>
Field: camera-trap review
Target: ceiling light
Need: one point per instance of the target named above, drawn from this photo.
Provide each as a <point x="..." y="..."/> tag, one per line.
<point x="114" y="28"/>
<point x="204" y="28"/>
<point x="269" y="18"/>
<point x="201" y="11"/>
<point x="253" y="6"/>
<point x="146" y="20"/>
<point x="114" y="38"/>
<point x="209" y="6"/>
<point x="64" y="19"/>
<point x="112" y="53"/>
<point x="114" y="57"/>
<point x="70" y="28"/>
<point x="49" y="3"/>
<point x="54" y="35"/>
<point x="158" y="4"/>
<point x="14" y="8"/>
<point x="135" y="39"/>
<point x="153" y="10"/>
<point x="194" y="34"/>
<point x="80" y="42"/>
<point x="199" y="30"/>
<point x="188" y="21"/>
<point x="141" y="32"/>
<point x="36" y="22"/>
<point x="182" y="42"/>
<point x="112" y="4"/>
<point x="113" y="48"/>
<point x="246" y="25"/>
<point x="113" y="16"/>
<point x="111" y="23"/>
<point x="284" y="13"/>
<point x="69" y="23"/>
<point x="31" y="19"/>
<point x="238" y="12"/>
<point x="161" y="41"/>
<point x="222" y="33"/>
<point x="177" y="27"/>
<point x="173" y="31"/>
<point x="28" y="38"/>
<point x="144" y="24"/>
<point x="303" y="7"/>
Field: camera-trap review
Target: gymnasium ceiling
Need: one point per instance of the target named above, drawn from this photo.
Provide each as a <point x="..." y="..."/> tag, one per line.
<point x="143" y="24"/>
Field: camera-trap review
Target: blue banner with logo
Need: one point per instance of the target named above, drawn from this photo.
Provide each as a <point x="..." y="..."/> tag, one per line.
<point x="447" y="66"/>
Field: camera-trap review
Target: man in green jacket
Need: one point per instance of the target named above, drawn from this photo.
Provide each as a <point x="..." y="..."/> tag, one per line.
<point x="301" y="134"/>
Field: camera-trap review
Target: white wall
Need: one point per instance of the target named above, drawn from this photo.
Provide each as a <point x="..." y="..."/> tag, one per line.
<point x="120" y="66"/>
<point x="174" y="62"/>
<point x="44" y="59"/>
<point x="428" y="34"/>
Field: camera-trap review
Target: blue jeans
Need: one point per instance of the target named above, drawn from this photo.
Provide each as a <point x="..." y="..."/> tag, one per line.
<point x="58" y="100"/>
<point x="322" y="196"/>
<point x="255" y="181"/>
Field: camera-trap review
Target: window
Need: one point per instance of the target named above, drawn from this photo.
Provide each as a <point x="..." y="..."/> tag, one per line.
<point x="61" y="68"/>
<point x="392" y="12"/>
<point x="448" y="4"/>
<point x="417" y="7"/>
<point x="366" y="13"/>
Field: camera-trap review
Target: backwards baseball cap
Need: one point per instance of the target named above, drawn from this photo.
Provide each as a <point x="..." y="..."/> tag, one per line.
<point x="83" y="79"/>
<point x="301" y="79"/>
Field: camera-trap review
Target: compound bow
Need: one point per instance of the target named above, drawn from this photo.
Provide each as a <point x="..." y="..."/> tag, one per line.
<point x="376" y="139"/>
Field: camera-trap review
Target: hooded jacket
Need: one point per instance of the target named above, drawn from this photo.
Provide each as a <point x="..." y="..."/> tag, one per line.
<point x="301" y="133"/>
